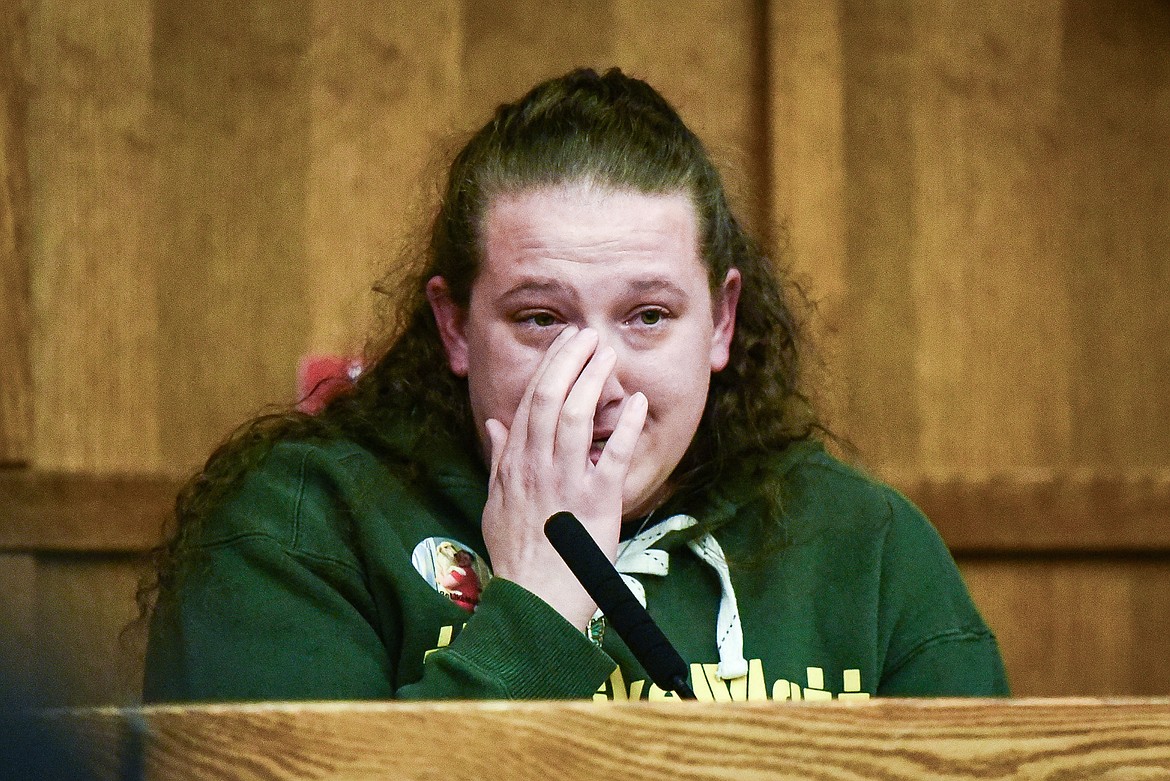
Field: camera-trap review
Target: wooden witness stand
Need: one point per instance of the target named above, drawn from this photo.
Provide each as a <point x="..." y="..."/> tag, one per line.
<point x="536" y="741"/>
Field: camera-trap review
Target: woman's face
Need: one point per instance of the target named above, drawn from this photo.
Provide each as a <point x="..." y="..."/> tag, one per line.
<point x="623" y="263"/>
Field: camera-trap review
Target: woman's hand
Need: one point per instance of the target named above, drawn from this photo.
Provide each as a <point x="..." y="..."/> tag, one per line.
<point x="541" y="465"/>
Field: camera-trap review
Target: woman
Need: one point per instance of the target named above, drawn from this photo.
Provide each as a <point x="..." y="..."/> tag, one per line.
<point x="591" y="330"/>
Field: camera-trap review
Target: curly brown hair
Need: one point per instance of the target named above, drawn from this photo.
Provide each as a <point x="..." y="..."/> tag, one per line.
<point x="608" y="129"/>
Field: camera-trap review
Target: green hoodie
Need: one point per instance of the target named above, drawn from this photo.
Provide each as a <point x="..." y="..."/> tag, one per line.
<point x="328" y="577"/>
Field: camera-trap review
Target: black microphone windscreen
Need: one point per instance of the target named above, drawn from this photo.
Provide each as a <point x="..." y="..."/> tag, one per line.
<point x="621" y="608"/>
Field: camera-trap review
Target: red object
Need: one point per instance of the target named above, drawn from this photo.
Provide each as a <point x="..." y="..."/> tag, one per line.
<point x="320" y="378"/>
<point x="461" y="584"/>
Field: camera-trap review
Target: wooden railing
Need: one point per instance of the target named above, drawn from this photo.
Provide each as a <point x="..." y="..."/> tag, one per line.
<point x="46" y="511"/>
<point x="1117" y="740"/>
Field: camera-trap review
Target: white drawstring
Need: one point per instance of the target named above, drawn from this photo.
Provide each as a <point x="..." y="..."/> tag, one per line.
<point x="729" y="639"/>
<point x="636" y="557"/>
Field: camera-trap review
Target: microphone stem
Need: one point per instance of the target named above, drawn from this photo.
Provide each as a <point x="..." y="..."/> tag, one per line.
<point x="682" y="688"/>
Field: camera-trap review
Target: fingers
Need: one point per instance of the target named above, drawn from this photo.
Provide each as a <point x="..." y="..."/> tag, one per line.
<point x="520" y="421"/>
<point x="619" y="451"/>
<point x="574" y="430"/>
<point x="552" y="387"/>
<point x="498" y="437"/>
<point x="554" y="422"/>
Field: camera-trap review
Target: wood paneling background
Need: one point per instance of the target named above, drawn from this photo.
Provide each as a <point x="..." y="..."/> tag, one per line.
<point x="977" y="194"/>
<point x="15" y="383"/>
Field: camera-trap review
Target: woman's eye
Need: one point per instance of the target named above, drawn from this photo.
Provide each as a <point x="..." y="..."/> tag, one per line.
<point x="650" y="316"/>
<point x="542" y="319"/>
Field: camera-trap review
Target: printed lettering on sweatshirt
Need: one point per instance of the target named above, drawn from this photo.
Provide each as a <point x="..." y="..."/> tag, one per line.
<point x="709" y="687"/>
<point x="753" y="687"/>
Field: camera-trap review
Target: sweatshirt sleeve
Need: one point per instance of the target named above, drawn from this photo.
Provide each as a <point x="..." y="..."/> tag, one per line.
<point x="938" y="644"/>
<point x="514" y="647"/>
<point x="275" y="603"/>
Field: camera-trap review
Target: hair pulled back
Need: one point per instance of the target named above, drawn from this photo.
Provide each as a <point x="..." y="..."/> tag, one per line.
<point x="610" y="130"/>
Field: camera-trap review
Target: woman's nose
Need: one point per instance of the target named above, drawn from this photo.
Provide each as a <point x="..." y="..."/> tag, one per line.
<point x="613" y="392"/>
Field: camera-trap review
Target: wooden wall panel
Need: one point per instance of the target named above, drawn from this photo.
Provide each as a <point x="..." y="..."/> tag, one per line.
<point x="384" y="88"/>
<point x="879" y="322"/>
<point x="82" y="605"/>
<point x="42" y="511"/>
<point x="509" y="45"/>
<point x="234" y="136"/>
<point x="950" y="123"/>
<point x="1116" y="90"/>
<point x="903" y="137"/>
<point x="1005" y="238"/>
<point x="15" y="380"/>
<point x="978" y="194"/>
<point x="93" y="273"/>
<point x="18" y="616"/>
<point x="61" y="622"/>
<point x="805" y="100"/>
<point x="805" y="126"/>
<point x="991" y="371"/>
<point x="708" y="60"/>
<point x="1054" y="512"/>
<point x="1077" y="626"/>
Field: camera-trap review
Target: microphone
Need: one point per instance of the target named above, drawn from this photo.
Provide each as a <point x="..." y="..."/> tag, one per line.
<point x="623" y="610"/>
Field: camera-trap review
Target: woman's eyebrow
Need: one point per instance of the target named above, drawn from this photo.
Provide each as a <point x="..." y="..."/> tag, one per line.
<point x="548" y="286"/>
<point x="552" y="287"/>
<point x="656" y="285"/>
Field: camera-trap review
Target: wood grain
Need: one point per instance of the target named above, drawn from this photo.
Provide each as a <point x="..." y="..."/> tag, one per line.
<point x="1006" y="223"/>
<point x="384" y="86"/>
<point x="993" y="335"/>
<point x="806" y="120"/>
<point x="1120" y="740"/>
<point x="1077" y="625"/>
<point x="86" y="650"/>
<point x="234" y="149"/>
<point x="508" y="46"/>
<point x="15" y="377"/>
<point x="1056" y="513"/>
<point x="1116" y="223"/>
<point x="880" y="329"/>
<point x="1048" y="511"/>
<point x="708" y="60"/>
<point x="44" y="512"/>
<point x="805" y="127"/>
<point x="93" y="270"/>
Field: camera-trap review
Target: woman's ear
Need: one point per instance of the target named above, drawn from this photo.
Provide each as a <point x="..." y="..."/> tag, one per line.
<point x="452" y="321"/>
<point x="724" y="303"/>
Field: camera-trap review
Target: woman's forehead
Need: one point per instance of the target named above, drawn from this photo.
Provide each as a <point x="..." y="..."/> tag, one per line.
<point x="582" y="190"/>
<point x="587" y="222"/>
